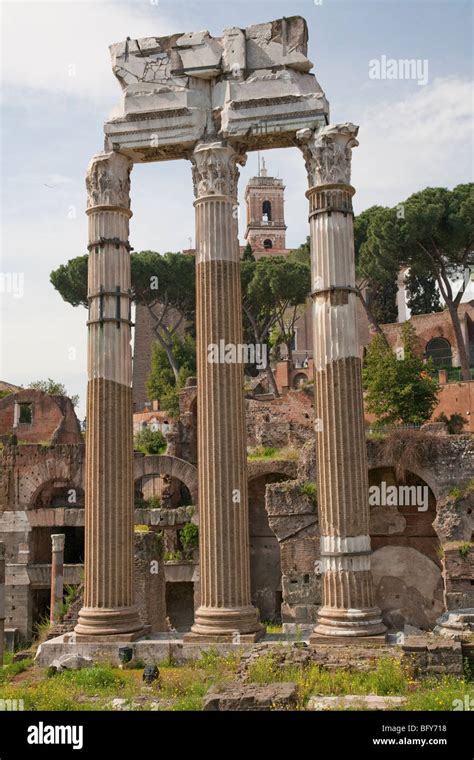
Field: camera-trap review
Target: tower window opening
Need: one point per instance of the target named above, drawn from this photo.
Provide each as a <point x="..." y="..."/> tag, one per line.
<point x="266" y="211"/>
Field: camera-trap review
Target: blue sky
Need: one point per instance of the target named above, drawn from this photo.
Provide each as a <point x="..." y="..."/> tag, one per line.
<point x="58" y="89"/>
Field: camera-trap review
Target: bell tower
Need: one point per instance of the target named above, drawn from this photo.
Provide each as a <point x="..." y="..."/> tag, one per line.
<point x="264" y="196"/>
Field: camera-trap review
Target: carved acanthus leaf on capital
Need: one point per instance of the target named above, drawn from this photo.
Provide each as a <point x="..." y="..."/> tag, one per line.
<point x="328" y="152"/>
<point x="108" y="180"/>
<point x="215" y="170"/>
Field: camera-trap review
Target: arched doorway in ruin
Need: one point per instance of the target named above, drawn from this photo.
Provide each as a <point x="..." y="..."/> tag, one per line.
<point x="406" y="562"/>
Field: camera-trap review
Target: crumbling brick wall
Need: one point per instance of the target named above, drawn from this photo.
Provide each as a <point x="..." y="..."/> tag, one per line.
<point x="53" y="418"/>
<point x="281" y="422"/>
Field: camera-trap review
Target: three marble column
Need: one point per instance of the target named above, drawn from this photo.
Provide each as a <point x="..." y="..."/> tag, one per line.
<point x="226" y="612"/>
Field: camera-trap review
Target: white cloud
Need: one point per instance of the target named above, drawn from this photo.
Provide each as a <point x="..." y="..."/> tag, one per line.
<point x="423" y="140"/>
<point x="62" y="47"/>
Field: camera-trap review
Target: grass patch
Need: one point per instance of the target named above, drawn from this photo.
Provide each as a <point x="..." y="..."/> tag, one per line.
<point x="215" y="664"/>
<point x="10" y="669"/>
<point x="464" y="549"/>
<point x="70" y="596"/>
<point x="262" y="452"/>
<point x="269" y="452"/>
<point x="40" y="631"/>
<point x="387" y="678"/>
<point x="183" y="687"/>
<point x="87" y="689"/>
<point x="310" y="490"/>
<point x="273" y="627"/>
<point x="457" y="493"/>
<point x="91" y="680"/>
<point x="139" y="528"/>
<point x="439" y="694"/>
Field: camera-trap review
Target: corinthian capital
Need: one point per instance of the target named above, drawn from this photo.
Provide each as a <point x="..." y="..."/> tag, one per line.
<point x="327" y="153"/>
<point x="215" y="171"/>
<point x="108" y="180"/>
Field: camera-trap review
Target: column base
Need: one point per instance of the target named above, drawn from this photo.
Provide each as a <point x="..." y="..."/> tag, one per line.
<point x="223" y="638"/>
<point x="348" y="622"/>
<point x="223" y="624"/>
<point x="121" y="623"/>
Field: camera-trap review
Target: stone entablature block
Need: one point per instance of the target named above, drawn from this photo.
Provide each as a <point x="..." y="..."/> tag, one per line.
<point x="252" y="86"/>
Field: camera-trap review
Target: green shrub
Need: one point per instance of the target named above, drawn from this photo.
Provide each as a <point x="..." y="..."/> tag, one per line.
<point x="150" y="441"/>
<point x="154" y="502"/>
<point x="189" y="537"/>
<point x="96" y="678"/>
<point x="310" y="489"/>
<point x="173" y="556"/>
<point x="262" y="452"/>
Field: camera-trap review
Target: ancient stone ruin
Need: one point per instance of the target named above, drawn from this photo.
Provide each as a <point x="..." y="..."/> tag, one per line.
<point x="211" y="101"/>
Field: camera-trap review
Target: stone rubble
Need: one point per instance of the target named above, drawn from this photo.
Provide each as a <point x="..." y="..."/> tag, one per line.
<point x="238" y="696"/>
<point x="355" y="702"/>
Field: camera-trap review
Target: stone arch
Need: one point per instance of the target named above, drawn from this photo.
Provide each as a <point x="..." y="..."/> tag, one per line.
<point x="48" y="471"/>
<point x="59" y="493"/>
<point x="427" y="474"/>
<point x="285" y="467"/>
<point x="267" y="244"/>
<point x="174" y="467"/>
<point x="267" y="210"/>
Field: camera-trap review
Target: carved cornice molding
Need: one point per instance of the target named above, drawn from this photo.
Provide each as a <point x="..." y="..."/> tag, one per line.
<point x="328" y="152"/>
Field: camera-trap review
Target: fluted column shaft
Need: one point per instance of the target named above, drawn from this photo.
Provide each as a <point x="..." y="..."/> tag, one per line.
<point x="225" y="608"/>
<point x="348" y="607"/>
<point x="109" y="607"/>
<point x="57" y="576"/>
